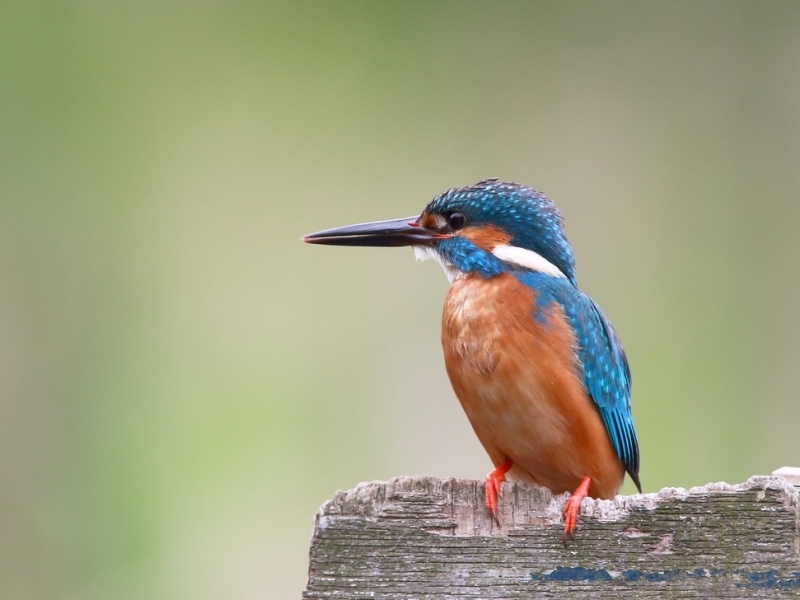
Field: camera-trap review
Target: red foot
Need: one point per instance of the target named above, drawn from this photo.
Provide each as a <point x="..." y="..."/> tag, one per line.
<point x="573" y="507"/>
<point x="493" y="481"/>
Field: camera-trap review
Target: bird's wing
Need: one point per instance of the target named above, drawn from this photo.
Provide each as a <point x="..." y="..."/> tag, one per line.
<point x="606" y="376"/>
<point x="604" y="366"/>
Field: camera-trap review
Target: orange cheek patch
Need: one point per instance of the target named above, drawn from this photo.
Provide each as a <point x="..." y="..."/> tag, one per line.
<point x="486" y="236"/>
<point x="428" y="221"/>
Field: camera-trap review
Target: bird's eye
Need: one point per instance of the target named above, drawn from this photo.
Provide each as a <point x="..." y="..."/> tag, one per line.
<point x="456" y="220"/>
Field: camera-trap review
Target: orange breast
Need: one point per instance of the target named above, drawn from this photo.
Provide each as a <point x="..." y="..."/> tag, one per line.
<point x="518" y="382"/>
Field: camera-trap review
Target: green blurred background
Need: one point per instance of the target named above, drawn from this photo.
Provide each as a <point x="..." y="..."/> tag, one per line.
<point x="183" y="383"/>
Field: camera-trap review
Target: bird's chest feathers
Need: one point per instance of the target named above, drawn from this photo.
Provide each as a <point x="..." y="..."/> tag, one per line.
<point x="514" y="367"/>
<point x="470" y="331"/>
<point x="486" y="320"/>
<point x="505" y="355"/>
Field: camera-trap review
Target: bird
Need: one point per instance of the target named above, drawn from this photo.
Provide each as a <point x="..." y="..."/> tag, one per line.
<point x="537" y="367"/>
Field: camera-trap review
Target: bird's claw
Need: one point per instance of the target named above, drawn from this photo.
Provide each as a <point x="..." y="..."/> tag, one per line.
<point x="572" y="508"/>
<point x="571" y="511"/>
<point x="492" y="488"/>
<point x="491" y="496"/>
<point x="493" y="493"/>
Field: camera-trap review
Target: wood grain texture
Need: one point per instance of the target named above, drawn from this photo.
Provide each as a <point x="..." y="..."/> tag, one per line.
<point x="432" y="538"/>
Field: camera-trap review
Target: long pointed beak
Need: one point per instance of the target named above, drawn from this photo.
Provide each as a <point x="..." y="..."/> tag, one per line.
<point x="395" y="232"/>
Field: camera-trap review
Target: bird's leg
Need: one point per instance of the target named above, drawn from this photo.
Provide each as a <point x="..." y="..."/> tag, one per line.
<point x="493" y="481"/>
<point x="573" y="507"/>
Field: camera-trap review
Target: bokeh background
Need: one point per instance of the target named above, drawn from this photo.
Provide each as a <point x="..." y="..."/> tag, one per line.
<point x="183" y="383"/>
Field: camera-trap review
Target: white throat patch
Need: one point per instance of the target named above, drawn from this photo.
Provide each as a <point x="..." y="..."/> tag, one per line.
<point x="526" y="258"/>
<point x="425" y="253"/>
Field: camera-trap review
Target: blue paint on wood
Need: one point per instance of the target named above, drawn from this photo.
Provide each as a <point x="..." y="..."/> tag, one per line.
<point x="771" y="579"/>
<point x="573" y="574"/>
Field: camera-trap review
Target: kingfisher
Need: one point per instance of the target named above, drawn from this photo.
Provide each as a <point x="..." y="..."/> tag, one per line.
<point x="534" y="362"/>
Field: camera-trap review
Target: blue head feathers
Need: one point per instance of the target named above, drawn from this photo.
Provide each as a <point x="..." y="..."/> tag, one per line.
<point x="530" y="218"/>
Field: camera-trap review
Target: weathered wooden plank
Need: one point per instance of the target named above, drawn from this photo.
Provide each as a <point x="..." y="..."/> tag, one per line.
<point x="432" y="538"/>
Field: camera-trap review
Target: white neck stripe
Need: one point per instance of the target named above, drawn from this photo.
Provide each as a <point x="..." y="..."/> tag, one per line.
<point x="526" y="258"/>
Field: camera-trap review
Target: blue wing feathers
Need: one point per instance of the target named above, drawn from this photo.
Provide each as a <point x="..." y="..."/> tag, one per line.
<point x="607" y="377"/>
<point x="605" y="370"/>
